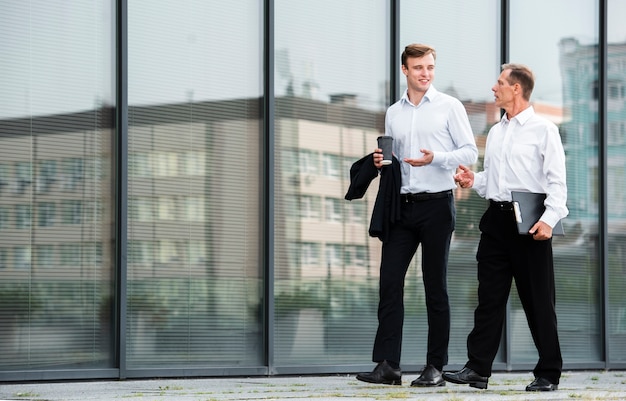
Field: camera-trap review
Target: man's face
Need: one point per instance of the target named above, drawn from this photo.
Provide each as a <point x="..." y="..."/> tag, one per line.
<point x="504" y="92"/>
<point x="419" y="72"/>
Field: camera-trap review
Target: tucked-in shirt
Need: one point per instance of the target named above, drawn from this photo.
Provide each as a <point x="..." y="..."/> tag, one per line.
<point x="438" y="123"/>
<point x="525" y="154"/>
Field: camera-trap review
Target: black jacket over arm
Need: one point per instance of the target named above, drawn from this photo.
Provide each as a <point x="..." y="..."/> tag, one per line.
<point x="387" y="205"/>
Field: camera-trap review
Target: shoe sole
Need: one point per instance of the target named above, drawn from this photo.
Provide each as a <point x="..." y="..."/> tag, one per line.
<point x="387" y="382"/>
<point x="428" y="384"/>
<point x="553" y="388"/>
<point x="479" y="385"/>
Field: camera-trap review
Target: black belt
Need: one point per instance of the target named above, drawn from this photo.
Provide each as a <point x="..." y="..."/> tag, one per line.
<point x="502" y="206"/>
<point x="423" y="196"/>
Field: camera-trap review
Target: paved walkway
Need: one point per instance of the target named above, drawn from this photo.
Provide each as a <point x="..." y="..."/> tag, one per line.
<point x="577" y="385"/>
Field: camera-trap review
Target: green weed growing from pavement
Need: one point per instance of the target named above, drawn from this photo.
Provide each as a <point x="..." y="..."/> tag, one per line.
<point x="28" y="394"/>
<point x="394" y="395"/>
<point x="510" y="382"/>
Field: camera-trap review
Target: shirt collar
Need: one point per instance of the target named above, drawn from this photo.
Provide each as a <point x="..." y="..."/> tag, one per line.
<point x="430" y="94"/>
<point x="521" y="118"/>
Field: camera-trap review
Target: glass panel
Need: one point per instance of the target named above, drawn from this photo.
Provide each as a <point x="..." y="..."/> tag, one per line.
<point x="57" y="104"/>
<point x="616" y="179"/>
<point x="194" y="277"/>
<point x="331" y="87"/>
<point x="565" y="61"/>
<point x="467" y="73"/>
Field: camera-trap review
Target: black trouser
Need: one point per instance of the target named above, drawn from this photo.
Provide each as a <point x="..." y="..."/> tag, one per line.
<point x="429" y="223"/>
<point x="504" y="255"/>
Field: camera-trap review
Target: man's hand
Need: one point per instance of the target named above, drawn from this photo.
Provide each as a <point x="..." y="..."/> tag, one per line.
<point x="378" y="158"/>
<point x="422" y="161"/>
<point x="464" y="176"/>
<point x="541" y="231"/>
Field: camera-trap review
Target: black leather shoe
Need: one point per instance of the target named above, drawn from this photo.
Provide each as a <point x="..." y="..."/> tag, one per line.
<point x="467" y="376"/>
<point x="383" y="373"/>
<point x="541" y="384"/>
<point x="430" y="377"/>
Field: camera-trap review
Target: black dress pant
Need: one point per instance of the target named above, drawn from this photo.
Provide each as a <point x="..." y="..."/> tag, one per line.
<point x="504" y="255"/>
<point x="429" y="223"/>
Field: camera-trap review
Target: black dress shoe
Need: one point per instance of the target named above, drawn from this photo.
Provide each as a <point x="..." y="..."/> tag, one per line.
<point x="383" y="373"/>
<point x="541" y="384"/>
<point x="430" y="377"/>
<point x="467" y="376"/>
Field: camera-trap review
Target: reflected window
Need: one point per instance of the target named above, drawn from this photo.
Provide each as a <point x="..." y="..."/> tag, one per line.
<point x="310" y="254"/>
<point x="23" y="176"/>
<point x="71" y="211"/>
<point x="70" y="254"/>
<point x="197" y="252"/>
<point x="615" y="191"/>
<point x="331" y="165"/>
<point x="4" y="256"/>
<point x="310" y="207"/>
<point x="72" y="174"/>
<point x="22" y="216"/>
<point x="46" y="176"/>
<point x="166" y="164"/>
<point x="141" y="252"/>
<point x="4" y="217"/>
<point x="169" y="252"/>
<point x="21" y="255"/>
<point x="45" y="255"/>
<point x="140" y="165"/>
<point x="356" y="212"/>
<point x="333" y="210"/>
<point x="290" y="160"/>
<point x="334" y="255"/>
<point x="167" y="208"/>
<point x="194" y="208"/>
<point x="46" y="214"/>
<point x="141" y="209"/>
<point x="309" y="162"/>
<point x="4" y="177"/>
<point x="194" y="163"/>
<point x="355" y="255"/>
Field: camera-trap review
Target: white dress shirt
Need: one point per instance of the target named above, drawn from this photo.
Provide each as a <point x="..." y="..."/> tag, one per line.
<point x="525" y="154"/>
<point x="438" y="123"/>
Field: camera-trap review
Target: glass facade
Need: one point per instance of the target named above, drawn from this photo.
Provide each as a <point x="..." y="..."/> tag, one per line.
<point x="57" y="197"/>
<point x="194" y="184"/>
<point x="329" y="98"/>
<point x="240" y="121"/>
<point x="566" y="60"/>
<point x="466" y="72"/>
<point x="614" y="147"/>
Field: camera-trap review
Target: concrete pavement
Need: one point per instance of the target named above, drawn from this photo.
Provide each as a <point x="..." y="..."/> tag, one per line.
<point x="575" y="385"/>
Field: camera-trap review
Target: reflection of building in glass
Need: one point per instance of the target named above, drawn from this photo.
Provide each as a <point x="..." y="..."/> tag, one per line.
<point x="53" y="185"/>
<point x="317" y="143"/>
<point x="183" y="200"/>
<point x="57" y="226"/>
<point x="579" y="65"/>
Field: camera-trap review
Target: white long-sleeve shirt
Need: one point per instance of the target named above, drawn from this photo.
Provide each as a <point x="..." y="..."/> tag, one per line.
<point x="525" y="154"/>
<point x="438" y="123"/>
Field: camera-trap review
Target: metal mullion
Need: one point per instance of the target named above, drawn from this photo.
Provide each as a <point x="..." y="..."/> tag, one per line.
<point x="268" y="138"/>
<point x="603" y="172"/>
<point x="122" y="180"/>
